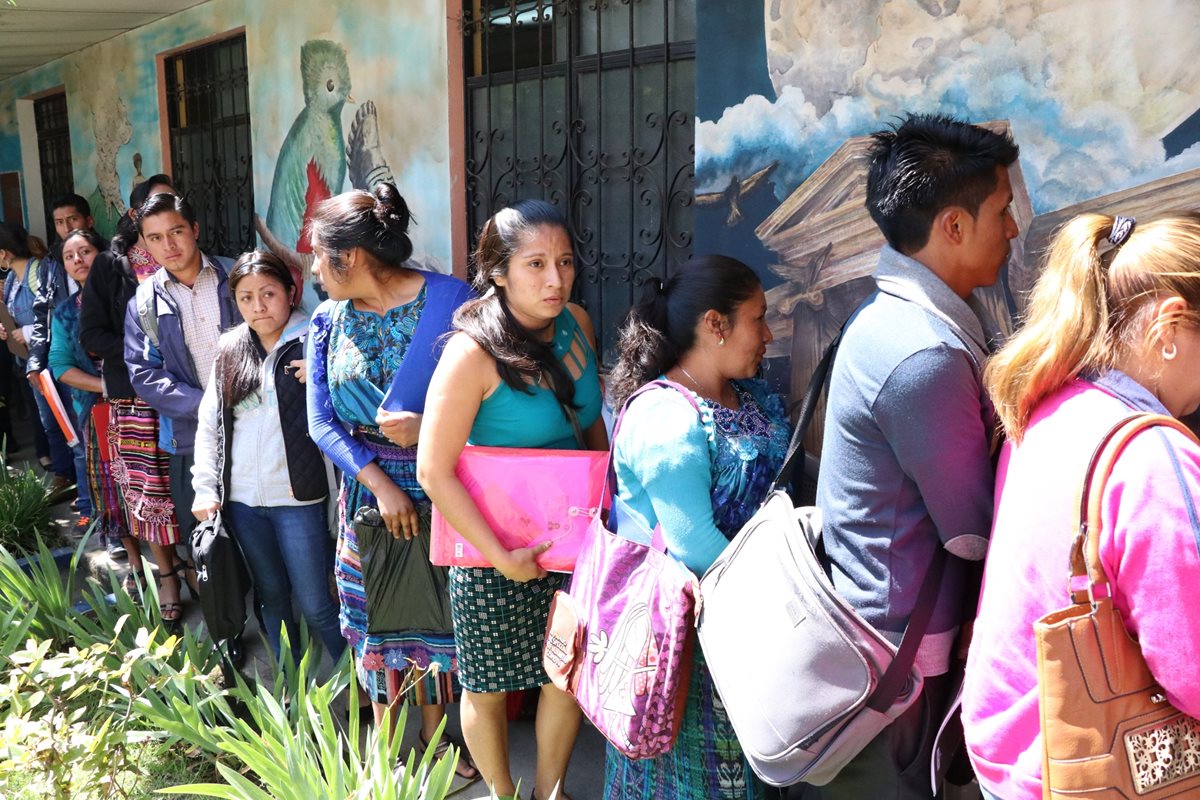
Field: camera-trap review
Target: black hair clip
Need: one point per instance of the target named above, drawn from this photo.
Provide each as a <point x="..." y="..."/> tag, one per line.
<point x="1122" y="227"/>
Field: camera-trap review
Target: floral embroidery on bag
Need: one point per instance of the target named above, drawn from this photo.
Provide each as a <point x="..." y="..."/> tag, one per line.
<point x="1163" y="753"/>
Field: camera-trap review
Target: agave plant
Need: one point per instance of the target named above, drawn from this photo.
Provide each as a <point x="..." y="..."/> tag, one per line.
<point x="24" y="509"/>
<point x="293" y="746"/>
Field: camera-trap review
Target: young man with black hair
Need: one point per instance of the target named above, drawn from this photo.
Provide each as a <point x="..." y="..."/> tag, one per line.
<point x="906" y="465"/>
<point x="172" y="325"/>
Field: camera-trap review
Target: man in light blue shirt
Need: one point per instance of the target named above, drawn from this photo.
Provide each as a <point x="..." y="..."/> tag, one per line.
<point x="906" y="461"/>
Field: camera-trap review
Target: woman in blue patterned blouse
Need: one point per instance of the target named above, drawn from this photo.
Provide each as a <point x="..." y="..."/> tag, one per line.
<point x="373" y="347"/>
<point x="701" y="476"/>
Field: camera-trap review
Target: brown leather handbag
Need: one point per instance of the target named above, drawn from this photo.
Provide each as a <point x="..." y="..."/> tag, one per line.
<point x="1108" y="730"/>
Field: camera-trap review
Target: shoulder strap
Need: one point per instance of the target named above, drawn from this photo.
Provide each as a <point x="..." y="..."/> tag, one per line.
<point x="1088" y="579"/>
<point x="896" y="675"/>
<point x="147" y="314"/>
<point x="808" y="406"/>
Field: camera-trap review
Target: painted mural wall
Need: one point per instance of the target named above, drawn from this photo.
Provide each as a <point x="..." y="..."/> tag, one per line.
<point x="338" y="99"/>
<point x="1103" y="97"/>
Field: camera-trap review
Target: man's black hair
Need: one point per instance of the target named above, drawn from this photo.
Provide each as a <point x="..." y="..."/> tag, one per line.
<point x="925" y="164"/>
<point x="78" y="202"/>
<point x="161" y="203"/>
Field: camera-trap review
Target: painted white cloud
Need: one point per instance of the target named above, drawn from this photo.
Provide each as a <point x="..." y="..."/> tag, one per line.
<point x="1088" y="112"/>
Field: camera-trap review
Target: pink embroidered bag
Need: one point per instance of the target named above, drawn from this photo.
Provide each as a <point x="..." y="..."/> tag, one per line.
<point x="620" y="637"/>
<point x="527" y="496"/>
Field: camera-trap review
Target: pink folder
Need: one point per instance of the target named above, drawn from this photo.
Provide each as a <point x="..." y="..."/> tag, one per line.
<point x="527" y="496"/>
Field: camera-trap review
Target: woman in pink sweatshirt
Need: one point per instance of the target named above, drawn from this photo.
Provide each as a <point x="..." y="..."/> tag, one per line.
<point x="1113" y="328"/>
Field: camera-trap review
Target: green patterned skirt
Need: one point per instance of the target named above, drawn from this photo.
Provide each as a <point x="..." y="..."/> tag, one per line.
<point x="499" y="627"/>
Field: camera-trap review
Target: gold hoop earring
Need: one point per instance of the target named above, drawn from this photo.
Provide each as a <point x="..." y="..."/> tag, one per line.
<point x="1169" y="352"/>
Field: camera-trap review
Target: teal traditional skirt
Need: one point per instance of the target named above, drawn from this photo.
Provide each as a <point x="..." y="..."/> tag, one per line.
<point x="706" y="762"/>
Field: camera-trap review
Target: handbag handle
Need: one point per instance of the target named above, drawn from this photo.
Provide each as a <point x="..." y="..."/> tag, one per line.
<point x="1085" y="550"/>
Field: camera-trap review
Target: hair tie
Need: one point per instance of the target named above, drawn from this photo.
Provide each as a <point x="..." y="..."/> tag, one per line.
<point x="1122" y="227"/>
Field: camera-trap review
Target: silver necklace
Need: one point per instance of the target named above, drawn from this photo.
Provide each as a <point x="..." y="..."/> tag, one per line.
<point x="688" y="375"/>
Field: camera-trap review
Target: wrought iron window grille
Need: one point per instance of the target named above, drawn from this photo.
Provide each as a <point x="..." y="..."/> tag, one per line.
<point x="590" y="105"/>
<point x="208" y="118"/>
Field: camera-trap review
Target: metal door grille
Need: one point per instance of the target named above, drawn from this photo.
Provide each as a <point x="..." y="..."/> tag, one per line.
<point x="54" y="152"/>
<point x="208" y="116"/>
<point x="590" y="105"/>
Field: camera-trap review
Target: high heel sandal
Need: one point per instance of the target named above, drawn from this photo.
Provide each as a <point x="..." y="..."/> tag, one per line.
<point x="464" y="756"/>
<point x="172" y="612"/>
<point x="185" y="568"/>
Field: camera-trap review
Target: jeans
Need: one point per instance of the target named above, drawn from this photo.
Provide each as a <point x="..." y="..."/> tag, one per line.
<point x="61" y="458"/>
<point x="290" y="555"/>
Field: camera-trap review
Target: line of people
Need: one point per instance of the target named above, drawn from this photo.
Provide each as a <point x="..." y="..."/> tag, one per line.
<point x="204" y="386"/>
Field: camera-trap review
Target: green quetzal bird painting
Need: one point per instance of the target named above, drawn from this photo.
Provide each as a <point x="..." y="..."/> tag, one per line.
<point x="312" y="160"/>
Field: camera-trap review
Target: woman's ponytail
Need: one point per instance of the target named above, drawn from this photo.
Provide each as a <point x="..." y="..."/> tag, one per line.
<point x="644" y="350"/>
<point x="1086" y="310"/>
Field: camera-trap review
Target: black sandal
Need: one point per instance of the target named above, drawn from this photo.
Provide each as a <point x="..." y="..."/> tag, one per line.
<point x="183" y="568"/>
<point x="134" y="584"/>
<point x="464" y="755"/>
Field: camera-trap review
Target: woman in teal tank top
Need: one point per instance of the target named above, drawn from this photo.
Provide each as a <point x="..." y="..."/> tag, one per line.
<point x="521" y="366"/>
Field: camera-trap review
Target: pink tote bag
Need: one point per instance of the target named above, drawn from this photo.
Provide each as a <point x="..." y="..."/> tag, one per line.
<point x="619" y="639"/>
<point x="528" y="496"/>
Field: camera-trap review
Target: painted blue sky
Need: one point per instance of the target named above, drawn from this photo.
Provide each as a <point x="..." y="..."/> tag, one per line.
<point x="1089" y="113"/>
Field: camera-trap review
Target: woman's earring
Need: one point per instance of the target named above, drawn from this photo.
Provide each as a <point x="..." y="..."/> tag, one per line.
<point x="1169" y="352"/>
<point x="721" y="341"/>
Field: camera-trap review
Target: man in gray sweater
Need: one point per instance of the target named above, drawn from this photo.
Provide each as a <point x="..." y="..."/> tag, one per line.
<point x="906" y="464"/>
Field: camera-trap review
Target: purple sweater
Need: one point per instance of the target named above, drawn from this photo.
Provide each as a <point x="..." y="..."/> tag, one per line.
<point x="1150" y="550"/>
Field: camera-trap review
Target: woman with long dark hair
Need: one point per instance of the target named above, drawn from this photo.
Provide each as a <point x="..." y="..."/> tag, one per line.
<point x="372" y="347"/>
<point x="140" y="467"/>
<point x="72" y="365"/>
<point x="253" y="428"/>
<point x="700" y="476"/>
<point x="520" y="372"/>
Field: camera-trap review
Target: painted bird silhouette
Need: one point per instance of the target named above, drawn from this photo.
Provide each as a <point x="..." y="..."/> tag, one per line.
<point x="312" y="160"/>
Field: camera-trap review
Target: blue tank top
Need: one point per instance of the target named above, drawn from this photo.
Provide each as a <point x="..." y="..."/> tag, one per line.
<point x="509" y="417"/>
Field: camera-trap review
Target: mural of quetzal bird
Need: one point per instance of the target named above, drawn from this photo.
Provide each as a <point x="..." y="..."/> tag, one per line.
<point x="312" y="161"/>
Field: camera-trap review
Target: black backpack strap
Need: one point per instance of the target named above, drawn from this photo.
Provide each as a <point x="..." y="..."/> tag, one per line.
<point x="808" y="406"/>
<point x="896" y="675"/>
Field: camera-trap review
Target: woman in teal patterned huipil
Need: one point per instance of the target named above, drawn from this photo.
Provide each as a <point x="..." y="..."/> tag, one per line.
<point x="372" y="347"/>
<point x="699" y="476"/>
<point x="522" y="363"/>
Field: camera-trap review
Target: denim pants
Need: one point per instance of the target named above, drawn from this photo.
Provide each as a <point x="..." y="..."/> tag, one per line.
<point x="290" y="555"/>
<point x="61" y="459"/>
<point x="69" y="462"/>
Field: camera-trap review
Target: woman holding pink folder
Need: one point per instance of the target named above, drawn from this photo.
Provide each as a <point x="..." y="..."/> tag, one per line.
<point x="521" y="372"/>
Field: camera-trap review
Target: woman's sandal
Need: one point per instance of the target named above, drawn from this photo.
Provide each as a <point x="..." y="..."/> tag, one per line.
<point x="134" y="584"/>
<point x="188" y="579"/>
<point x="465" y="768"/>
<point x="172" y="612"/>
